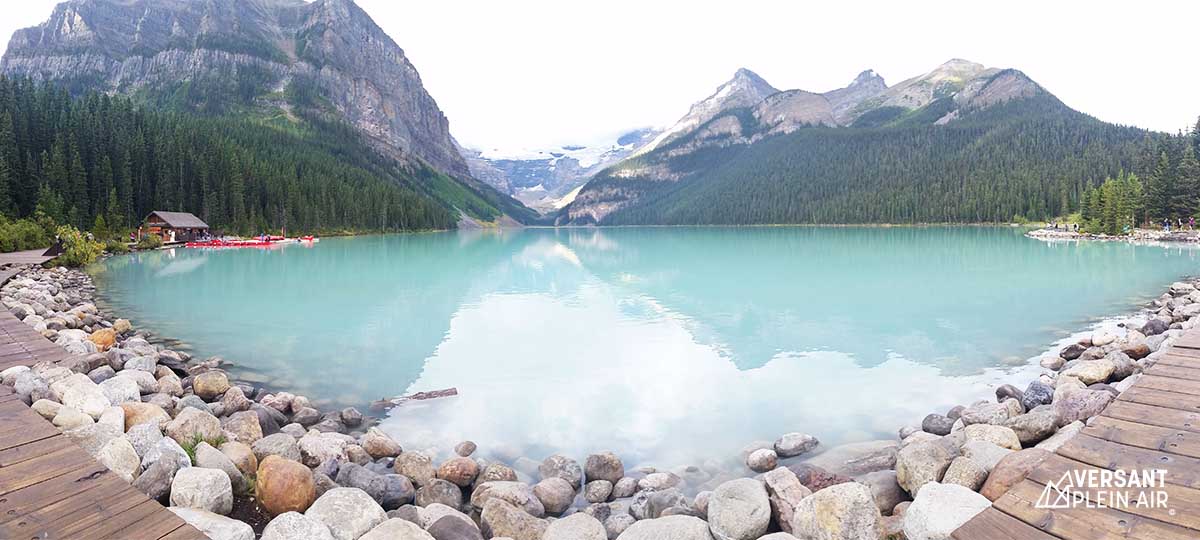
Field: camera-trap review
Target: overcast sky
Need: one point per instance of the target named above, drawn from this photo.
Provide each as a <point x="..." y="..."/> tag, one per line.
<point x="533" y="73"/>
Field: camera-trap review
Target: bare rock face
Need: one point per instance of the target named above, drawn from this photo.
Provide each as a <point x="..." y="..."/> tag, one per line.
<point x="325" y="57"/>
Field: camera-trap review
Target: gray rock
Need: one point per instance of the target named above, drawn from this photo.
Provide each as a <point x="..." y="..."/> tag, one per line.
<point x="651" y="504"/>
<point x="784" y="491"/>
<point x="965" y="472"/>
<point x="295" y="526"/>
<point x="1034" y="427"/>
<point x="667" y="528"/>
<point x="202" y="489"/>
<point x="514" y="493"/>
<point x="155" y="480"/>
<point x="605" y="466"/>
<point x="762" y="460"/>
<point x="940" y="509"/>
<point x="1037" y="393"/>
<point x="210" y="458"/>
<point x="562" y="467"/>
<point x="795" y="444"/>
<point x="439" y="492"/>
<point x="278" y="444"/>
<point x="839" y="512"/>
<point x="214" y="526"/>
<point x="739" y="510"/>
<point x="417" y="467"/>
<point x="923" y="462"/>
<point x="937" y="424"/>
<point x="555" y="493"/>
<point x="625" y="487"/>
<point x="576" y="527"/>
<point x="348" y="512"/>
<point x="162" y="448"/>
<point x="597" y="491"/>
<point x="501" y="519"/>
<point x="396" y="529"/>
<point x="452" y="528"/>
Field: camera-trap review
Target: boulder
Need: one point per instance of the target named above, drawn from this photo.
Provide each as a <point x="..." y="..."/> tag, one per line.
<point x="396" y="529"/>
<point x="143" y="437"/>
<point x="459" y="471"/>
<point x="815" y="478"/>
<point x="653" y="504"/>
<point x="1037" y="393"/>
<point x="597" y="491"/>
<point x="1090" y="371"/>
<point x="920" y="463"/>
<point x="202" y="489"/>
<point x="1060" y="437"/>
<point x="667" y="528"/>
<point x="795" y="444"/>
<point x="998" y="435"/>
<point x="71" y="418"/>
<point x="379" y="445"/>
<point x="940" y="509"/>
<point x="155" y="480"/>
<point x="1079" y="405"/>
<point x="858" y="458"/>
<point x="439" y="492"/>
<point x="243" y="425"/>
<point x="556" y="494"/>
<point x="937" y="424"/>
<point x="514" y="493"/>
<point x="210" y="458"/>
<point x="984" y="454"/>
<point x="561" y="467"/>
<point x="121" y="390"/>
<point x="349" y="513"/>
<point x="784" y="491"/>
<point x="884" y="489"/>
<point x="104" y="338"/>
<point x="210" y="384"/>
<point x="576" y="527"/>
<point x="740" y="510"/>
<point x="120" y="457"/>
<point x="1033" y="427"/>
<point x="965" y="472"/>
<point x="162" y="448"/>
<point x="453" y="528"/>
<point x="762" y="460"/>
<point x="840" y="512"/>
<point x="214" y="526"/>
<point x="144" y="413"/>
<point x="92" y="437"/>
<point x="604" y="466"/>
<point x="294" y="526"/>
<point x="241" y="455"/>
<point x="191" y="423"/>
<point x="501" y="519"/>
<point x="316" y="448"/>
<point x="279" y="444"/>
<point x="985" y="413"/>
<point x="417" y="467"/>
<point x="1011" y="470"/>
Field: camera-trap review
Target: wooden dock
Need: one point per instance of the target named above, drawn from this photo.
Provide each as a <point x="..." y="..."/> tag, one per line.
<point x="50" y="488"/>
<point x="1155" y="424"/>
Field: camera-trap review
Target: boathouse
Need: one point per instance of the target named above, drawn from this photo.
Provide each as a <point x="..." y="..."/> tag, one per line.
<point x="174" y="226"/>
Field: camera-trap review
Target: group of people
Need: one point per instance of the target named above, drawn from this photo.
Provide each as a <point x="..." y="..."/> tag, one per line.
<point x="1179" y="224"/>
<point x="1068" y="226"/>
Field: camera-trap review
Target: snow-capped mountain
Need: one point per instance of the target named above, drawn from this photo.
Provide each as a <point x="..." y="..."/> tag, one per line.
<point x="547" y="179"/>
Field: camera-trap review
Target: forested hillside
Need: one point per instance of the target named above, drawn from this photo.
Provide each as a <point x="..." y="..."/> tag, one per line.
<point x="97" y="158"/>
<point x="1029" y="158"/>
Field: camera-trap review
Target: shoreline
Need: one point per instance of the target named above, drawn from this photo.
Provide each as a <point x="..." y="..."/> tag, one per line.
<point x="1137" y="236"/>
<point x="342" y="448"/>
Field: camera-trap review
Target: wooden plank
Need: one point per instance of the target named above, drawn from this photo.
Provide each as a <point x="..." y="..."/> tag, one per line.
<point x="1159" y="398"/>
<point x="1189" y="340"/>
<point x="186" y="532"/>
<point x="32" y="450"/>
<point x="1163" y="439"/>
<point x="27" y="434"/>
<point x="1184" y="471"/>
<point x="1174" y="372"/>
<point x="84" y="521"/>
<point x="28" y="473"/>
<point x="1162" y="503"/>
<point x="154" y="526"/>
<point x="20" y="503"/>
<point x="122" y="519"/>
<point x="1170" y="385"/>
<point x="1173" y="358"/>
<point x="1074" y="523"/>
<point x="82" y="508"/>
<point x="1153" y="416"/>
<point x="992" y="524"/>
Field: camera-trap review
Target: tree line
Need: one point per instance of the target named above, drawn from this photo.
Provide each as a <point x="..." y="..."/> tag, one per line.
<point x="102" y="163"/>
<point x="1165" y="188"/>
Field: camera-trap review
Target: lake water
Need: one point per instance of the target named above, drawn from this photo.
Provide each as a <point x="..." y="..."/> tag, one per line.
<point x="669" y="346"/>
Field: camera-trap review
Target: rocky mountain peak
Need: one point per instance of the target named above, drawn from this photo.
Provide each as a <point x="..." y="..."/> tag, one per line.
<point x="868" y="78"/>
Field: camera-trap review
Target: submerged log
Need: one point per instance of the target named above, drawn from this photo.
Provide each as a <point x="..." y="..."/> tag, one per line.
<point x="385" y="404"/>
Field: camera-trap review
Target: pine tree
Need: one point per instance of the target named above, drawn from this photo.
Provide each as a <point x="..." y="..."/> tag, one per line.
<point x="1188" y="174"/>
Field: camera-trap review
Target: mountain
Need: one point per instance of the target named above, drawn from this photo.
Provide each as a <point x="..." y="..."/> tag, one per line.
<point x="961" y="143"/>
<point x="294" y="64"/>
<point x="547" y="179"/>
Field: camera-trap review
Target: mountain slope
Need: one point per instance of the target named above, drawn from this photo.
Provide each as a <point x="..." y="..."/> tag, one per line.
<point x="962" y="143"/>
<point x="287" y="62"/>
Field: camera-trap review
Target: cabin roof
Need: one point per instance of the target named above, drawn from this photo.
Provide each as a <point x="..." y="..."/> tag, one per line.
<point x="179" y="220"/>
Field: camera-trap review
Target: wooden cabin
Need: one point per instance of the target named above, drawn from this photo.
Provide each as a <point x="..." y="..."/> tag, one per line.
<point x="174" y="226"/>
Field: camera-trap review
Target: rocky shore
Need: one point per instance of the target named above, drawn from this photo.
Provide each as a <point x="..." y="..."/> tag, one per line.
<point x="1137" y="235"/>
<point x="238" y="461"/>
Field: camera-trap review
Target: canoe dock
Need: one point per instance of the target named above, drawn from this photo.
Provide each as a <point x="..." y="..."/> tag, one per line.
<point x="50" y="488"/>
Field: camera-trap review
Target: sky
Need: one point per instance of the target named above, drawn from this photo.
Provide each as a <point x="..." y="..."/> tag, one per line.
<point x="538" y="74"/>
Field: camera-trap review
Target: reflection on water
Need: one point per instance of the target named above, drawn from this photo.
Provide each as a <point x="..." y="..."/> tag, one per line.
<point x="667" y="345"/>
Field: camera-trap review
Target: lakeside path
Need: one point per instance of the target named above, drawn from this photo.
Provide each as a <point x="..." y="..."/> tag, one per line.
<point x="50" y="488"/>
<point x="1155" y="424"/>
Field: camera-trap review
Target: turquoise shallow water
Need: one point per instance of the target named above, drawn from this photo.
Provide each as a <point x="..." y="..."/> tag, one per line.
<point x="667" y="345"/>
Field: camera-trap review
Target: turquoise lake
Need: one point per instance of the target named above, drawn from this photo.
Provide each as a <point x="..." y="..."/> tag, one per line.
<point x="670" y="346"/>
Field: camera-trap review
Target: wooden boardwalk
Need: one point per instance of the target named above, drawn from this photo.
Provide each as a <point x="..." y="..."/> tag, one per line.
<point x="1155" y="424"/>
<point x="50" y="488"/>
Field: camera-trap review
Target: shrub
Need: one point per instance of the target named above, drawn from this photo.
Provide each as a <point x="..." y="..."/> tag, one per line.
<point x="116" y="246"/>
<point x="150" y="241"/>
<point x="23" y="234"/>
<point x="78" y="249"/>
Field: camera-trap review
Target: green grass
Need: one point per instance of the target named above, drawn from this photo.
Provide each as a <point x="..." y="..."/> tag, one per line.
<point x="189" y="446"/>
